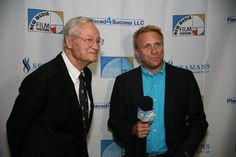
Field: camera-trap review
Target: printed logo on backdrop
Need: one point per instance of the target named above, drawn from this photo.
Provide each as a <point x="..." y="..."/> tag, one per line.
<point x="195" y="68"/>
<point x="231" y="100"/>
<point x="204" y="148"/>
<point x="109" y="148"/>
<point x="28" y="66"/>
<point x="101" y="105"/>
<point x="231" y="19"/>
<point x="118" y="21"/>
<point x="45" y="21"/>
<point x="114" y="66"/>
<point x="189" y="25"/>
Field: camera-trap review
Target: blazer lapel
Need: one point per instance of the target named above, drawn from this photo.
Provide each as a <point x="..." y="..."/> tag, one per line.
<point x="69" y="89"/>
<point x="137" y="86"/>
<point x="169" y="95"/>
<point x="88" y="78"/>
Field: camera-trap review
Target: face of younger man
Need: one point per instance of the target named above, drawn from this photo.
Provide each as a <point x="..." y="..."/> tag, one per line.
<point x="150" y="50"/>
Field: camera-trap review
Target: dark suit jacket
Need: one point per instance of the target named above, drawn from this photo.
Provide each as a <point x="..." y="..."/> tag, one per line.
<point x="185" y="120"/>
<point x="46" y="118"/>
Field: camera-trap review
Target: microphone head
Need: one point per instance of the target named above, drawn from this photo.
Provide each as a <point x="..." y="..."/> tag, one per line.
<point x="146" y="103"/>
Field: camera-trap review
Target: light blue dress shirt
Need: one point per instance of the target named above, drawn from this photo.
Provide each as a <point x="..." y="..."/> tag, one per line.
<point x="154" y="86"/>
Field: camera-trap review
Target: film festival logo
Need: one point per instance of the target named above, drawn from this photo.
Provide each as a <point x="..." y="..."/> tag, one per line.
<point x="114" y="66"/>
<point x="109" y="148"/>
<point x="45" y="21"/>
<point x="189" y="25"/>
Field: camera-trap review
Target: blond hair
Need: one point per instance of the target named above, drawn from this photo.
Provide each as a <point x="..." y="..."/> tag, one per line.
<point x="145" y="29"/>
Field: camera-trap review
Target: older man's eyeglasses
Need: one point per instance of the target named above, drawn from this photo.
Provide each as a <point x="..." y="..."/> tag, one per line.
<point x="90" y="41"/>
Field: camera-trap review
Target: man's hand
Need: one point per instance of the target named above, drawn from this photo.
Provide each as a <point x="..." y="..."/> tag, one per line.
<point x="141" y="129"/>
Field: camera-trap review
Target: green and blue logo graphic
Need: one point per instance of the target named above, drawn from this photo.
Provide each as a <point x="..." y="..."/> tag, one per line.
<point x="109" y="148"/>
<point x="189" y="25"/>
<point x="114" y="66"/>
<point x="45" y="21"/>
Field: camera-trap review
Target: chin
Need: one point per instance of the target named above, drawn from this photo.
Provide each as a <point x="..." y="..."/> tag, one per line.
<point x="93" y="60"/>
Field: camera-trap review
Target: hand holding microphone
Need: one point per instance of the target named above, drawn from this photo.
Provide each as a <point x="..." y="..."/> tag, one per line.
<point x="146" y="115"/>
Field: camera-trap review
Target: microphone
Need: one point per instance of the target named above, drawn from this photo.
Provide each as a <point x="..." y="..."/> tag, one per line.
<point x="145" y="109"/>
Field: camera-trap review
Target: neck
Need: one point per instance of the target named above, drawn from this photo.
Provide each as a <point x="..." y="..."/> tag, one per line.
<point x="154" y="70"/>
<point x="79" y="64"/>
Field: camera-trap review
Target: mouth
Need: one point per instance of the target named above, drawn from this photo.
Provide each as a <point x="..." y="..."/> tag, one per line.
<point x="155" y="58"/>
<point x="93" y="52"/>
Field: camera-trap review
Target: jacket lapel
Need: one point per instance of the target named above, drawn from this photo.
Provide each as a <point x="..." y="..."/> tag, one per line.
<point x="169" y="95"/>
<point x="137" y="86"/>
<point x="88" y="78"/>
<point x="69" y="89"/>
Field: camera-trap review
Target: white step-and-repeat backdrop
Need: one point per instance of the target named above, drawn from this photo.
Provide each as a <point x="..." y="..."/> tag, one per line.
<point x="199" y="36"/>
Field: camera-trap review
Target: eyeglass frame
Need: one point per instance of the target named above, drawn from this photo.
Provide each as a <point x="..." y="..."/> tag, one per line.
<point x="90" y="41"/>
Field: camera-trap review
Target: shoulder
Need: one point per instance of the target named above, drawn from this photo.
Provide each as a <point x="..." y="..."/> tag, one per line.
<point x="178" y="70"/>
<point x="130" y="77"/>
<point x="48" y="70"/>
<point x="179" y="74"/>
<point x="131" y="73"/>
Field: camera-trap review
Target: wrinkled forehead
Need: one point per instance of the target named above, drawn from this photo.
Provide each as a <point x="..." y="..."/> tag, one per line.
<point x="87" y="29"/>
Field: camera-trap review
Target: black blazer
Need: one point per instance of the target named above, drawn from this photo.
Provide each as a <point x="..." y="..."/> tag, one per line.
<point x="46" y="118"/>
<point x="185" y="120"/>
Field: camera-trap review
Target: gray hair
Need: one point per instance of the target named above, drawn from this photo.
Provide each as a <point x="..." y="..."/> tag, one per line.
<point x="69" y="28"/>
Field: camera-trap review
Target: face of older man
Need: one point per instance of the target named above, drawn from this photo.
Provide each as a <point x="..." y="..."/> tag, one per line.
<point x="84" y="46"/>
<point x="150" y="51"/>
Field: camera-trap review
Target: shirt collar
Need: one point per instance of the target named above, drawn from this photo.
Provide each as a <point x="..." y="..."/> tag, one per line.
<point x="74" y="73"/>
<point x="148" y="73"/>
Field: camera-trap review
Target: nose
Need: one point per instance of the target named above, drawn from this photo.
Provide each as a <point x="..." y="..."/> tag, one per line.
<point x="154" y="49"/>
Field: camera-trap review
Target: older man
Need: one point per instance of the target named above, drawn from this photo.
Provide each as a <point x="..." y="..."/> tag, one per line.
<point x="53" y="111"/>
